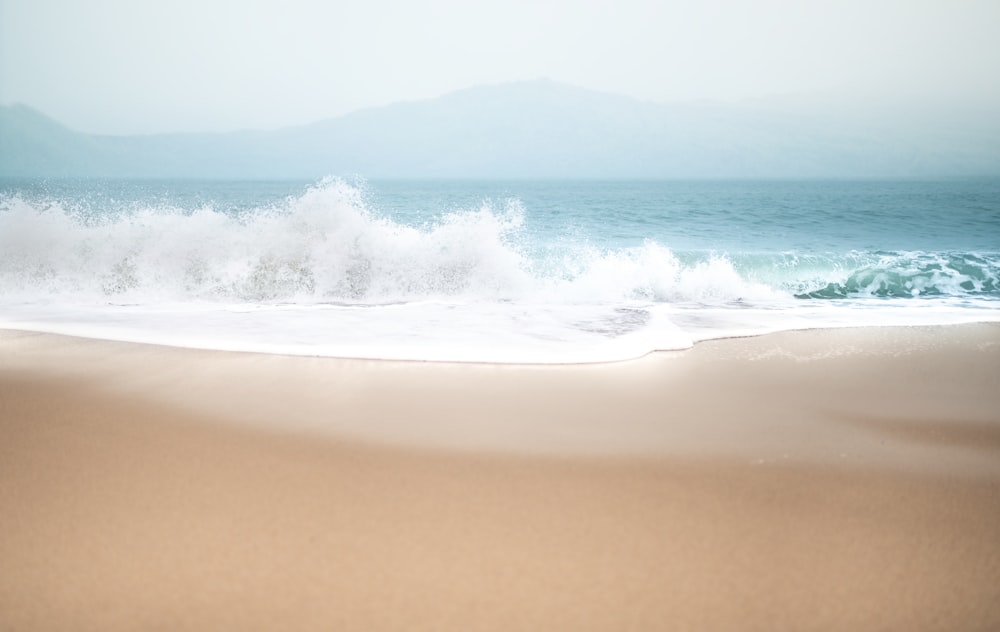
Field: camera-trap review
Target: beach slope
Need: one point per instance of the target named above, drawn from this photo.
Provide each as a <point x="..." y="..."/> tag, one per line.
<point x="834" y="479"/>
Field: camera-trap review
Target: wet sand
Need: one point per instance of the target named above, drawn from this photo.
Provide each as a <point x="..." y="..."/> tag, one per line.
<point x="836" y="479"/>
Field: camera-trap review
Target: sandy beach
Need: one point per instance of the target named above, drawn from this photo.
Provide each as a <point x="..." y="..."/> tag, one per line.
<point x="844" y="479"/>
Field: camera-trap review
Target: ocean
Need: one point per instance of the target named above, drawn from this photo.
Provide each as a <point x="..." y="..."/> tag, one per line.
<point x="491" y="271"/>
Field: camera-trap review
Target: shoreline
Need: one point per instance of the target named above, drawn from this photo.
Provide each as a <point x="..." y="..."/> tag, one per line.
<point x="790" y="377"/>
<point x="822" y="479"/>
<point x="430" y="352"/>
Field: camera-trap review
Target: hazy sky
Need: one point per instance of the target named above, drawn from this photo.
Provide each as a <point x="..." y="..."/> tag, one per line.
<point x="124" y="66"/>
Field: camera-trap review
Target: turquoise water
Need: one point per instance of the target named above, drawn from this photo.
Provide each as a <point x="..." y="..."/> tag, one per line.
<point x="491" y="270"/>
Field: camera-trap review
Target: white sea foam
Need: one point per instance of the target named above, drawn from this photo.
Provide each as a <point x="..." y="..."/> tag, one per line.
<point x="328" y="246"/>
<point x="324" y="273"/>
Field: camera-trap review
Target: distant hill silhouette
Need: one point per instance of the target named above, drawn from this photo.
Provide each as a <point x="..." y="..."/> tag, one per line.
<point x="535" y="129"/>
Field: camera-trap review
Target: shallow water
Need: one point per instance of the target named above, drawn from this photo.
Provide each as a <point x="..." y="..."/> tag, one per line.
<point x="534" y="271"/>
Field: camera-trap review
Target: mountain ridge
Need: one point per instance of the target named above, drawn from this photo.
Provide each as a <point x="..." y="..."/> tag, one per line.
<point x="540" y="129"/>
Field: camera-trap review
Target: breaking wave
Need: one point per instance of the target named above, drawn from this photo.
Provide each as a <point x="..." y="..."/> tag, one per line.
<point x="328" y="246"/>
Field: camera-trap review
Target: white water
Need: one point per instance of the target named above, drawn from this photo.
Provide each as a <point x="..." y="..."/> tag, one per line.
<point x="322" y="274"/>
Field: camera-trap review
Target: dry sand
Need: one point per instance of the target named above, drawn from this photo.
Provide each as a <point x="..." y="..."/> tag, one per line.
<point x="839" y="479"/>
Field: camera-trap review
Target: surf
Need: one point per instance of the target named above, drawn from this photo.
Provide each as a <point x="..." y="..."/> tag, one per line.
<point x="332" y="269"/>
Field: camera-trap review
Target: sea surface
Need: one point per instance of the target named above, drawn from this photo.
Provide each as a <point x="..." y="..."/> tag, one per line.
<point x="497" y="271"/>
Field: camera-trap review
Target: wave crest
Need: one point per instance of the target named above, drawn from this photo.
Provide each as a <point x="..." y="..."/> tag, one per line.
<point x="324" y="245"/>
<point x="911" y="275"/>
<point x="328" y="245"/>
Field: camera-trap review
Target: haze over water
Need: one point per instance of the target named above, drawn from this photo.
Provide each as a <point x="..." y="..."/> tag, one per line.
<point x="121" y="67"/>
